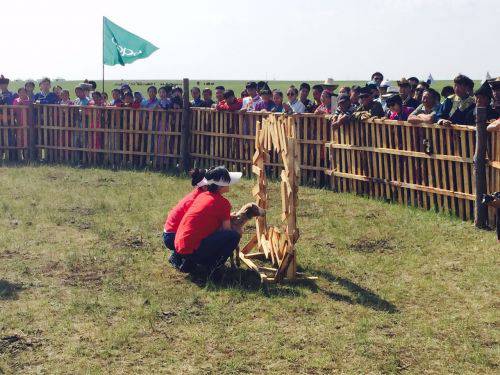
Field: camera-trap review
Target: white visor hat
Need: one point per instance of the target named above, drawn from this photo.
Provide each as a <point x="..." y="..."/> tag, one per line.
<point x="202" y="183"/>
<point x="235" y="177"/>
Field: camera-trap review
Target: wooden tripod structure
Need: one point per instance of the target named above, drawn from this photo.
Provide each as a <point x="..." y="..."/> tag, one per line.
<point x="277" y="245"/>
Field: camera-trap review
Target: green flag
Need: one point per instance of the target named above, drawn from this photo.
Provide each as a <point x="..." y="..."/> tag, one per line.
<point x="123" y="47"/>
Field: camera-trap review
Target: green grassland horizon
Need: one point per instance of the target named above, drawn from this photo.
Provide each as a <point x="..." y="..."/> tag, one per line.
<point x="236" y="85"/>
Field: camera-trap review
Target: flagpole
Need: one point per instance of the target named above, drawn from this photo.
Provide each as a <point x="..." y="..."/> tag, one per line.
<point x="103" y="54"/>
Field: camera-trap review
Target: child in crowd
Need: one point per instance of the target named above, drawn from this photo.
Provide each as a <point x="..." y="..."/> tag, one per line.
<point x="265" y="104"/>
<point x="105" y="101"/>
<point x="138" y="100"/>
<point x="164" y="102"/>
<point x="152" y="102"/>
<point x="278" y="101"/>
<point x="397" y="111"/>
<point x="30" y="88"/>
<point x="117" y="101"/>
<point x="21" y="115"/>
<point x="65" y="100"/>
<point x="128" y="100"/>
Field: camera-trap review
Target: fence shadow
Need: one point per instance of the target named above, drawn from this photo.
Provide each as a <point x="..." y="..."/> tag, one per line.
<point x="9" y="290"/>
<point x="359" y="294"/>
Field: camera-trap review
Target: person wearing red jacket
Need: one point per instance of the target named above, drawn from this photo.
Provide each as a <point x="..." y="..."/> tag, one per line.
<point x="230" y="102"/>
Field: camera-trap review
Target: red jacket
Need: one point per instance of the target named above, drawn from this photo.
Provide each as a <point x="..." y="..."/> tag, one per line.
<point x="235" y="106"/>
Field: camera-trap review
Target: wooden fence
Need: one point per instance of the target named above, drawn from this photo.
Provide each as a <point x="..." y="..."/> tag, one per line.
<point x="15" y="133"/>
<point x="427" y="166"/>
<point x="108" y="136"/>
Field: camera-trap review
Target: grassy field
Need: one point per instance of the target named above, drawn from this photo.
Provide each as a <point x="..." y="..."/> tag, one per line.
<point x="237" y="86"/>
<point x="85" y="286"/>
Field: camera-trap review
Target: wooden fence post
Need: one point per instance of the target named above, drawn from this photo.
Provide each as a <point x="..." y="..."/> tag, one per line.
<point x="185" y="131"/>
<point x="480" y="209"/>
<point x="31" y="141"/>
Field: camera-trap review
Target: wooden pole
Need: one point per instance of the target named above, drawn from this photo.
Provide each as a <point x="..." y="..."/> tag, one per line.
<point x="480" y="209"/>
<point x="32" y="135"/>
<point x="185" y="131"/>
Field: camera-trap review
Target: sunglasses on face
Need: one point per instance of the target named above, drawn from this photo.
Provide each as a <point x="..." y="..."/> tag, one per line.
<point x="290" y="94"/>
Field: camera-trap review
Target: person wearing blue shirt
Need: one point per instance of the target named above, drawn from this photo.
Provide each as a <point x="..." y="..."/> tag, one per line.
<point x="197" y="101"/>
<point x="6" y="97"/>
<point x="45" y="96"/>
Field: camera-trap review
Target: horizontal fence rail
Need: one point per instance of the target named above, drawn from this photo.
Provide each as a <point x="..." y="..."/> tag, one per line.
<point x="423" y="165"/>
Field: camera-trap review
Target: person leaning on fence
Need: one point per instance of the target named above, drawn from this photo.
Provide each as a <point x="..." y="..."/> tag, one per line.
<point x="266" y="104"/>
<point x="344" y="111"/>
<point x="406" y="92"/>
<point x="152" y="102"/>
<point x="81" y="99"/>
<point x="45" y="96"/>
<point x="219" y="95"/>
<point x="317" y="90"/>
<point x="204" y="236"/>
<point x="6" y="97"/>
<point x="294" y="105"/>
<point x="30" y="88"/>
<point x="253" y="98"/>
<point x="458" y="108"/>
<point x="230" y="102"/>
<point x="128" y="100"/>
<point x="199" y="182"/>
<point x="65" y="99"/>
<point x="326" y="103"/>
<point x="367" y="106"/>
<point x="278" y="102"/>
<point x="426" y="112"/>
<point x="164" y="101"/>
<point x="196" y="94"/>
<point x="397" y="110"/>
<point x="116" y="98"/>
<point x="304" y="90"/>
<point x="207" y="98"/>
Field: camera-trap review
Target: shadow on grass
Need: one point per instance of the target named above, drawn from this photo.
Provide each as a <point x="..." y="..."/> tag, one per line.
<point x="248" y="280"/>
<point x="9" y="290"/>
<point x="359" y="295"/>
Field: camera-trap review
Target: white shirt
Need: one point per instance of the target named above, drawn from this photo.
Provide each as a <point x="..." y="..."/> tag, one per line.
<point x="297" y="106"/>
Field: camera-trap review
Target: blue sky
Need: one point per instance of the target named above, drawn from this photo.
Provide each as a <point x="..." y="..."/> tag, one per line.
<point x="286" y="40"/>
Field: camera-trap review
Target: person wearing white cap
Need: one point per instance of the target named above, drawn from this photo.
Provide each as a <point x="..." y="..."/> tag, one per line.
<point x="199" y="182"/>
<point x="204" y="236"/>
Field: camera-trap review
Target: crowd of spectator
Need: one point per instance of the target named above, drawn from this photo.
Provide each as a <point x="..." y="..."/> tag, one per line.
<point x="409" y="99"/>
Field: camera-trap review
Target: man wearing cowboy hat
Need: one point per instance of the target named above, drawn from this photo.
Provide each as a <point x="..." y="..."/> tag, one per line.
<point x="6" y="97"/>
<point x="331" y="86"/>
<point x="405" y="91"/>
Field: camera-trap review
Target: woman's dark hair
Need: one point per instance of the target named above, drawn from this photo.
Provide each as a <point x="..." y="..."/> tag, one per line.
<point x="447" y="91"/>
<point x="318" y="87"/>
<point x="93" y="84"/>
<point x="197" y="175"/>
<point x="220" y="88"/>
<point x="278" y="92"/>
<point x="228" y="94"/>
<point x="464" y="80"/>
<point x="395" y="99"/>
<point x="294" y="90"/>
<point x="434" y="94"/>
<point x="305" y="85"/>
<point x="219" y="173"/>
